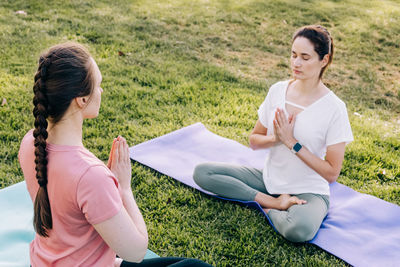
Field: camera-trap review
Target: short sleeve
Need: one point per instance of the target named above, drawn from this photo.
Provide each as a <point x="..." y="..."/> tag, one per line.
<point x="339" y="129"/>
<point x="263" y="110"/>
<point x="97" y="195"/>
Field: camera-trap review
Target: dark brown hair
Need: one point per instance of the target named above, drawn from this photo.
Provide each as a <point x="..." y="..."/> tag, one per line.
<point x="64" y="73"/>
<point x="321" y="39"/>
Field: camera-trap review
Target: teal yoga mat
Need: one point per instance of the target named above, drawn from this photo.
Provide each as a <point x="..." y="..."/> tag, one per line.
<point x="16" y="229"/>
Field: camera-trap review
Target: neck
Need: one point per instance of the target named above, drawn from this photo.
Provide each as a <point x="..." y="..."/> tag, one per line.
<point x="68" y="131"/>
<point x="309" y="86"/>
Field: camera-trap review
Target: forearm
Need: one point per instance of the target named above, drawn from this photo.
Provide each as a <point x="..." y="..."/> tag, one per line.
<point x="321" y="166"/>
<point x="259" y="141"/>
<point x="133" y="211"/>
<point x="328" y="168"/>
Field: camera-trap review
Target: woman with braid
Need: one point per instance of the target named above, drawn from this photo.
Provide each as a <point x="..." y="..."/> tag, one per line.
<point x="306" y="127"/>
<point x="84" y="210"/>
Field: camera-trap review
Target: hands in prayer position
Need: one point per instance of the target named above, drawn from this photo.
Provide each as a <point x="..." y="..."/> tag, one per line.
<point x="119" y="162"/>
<point x="283" y="128"/>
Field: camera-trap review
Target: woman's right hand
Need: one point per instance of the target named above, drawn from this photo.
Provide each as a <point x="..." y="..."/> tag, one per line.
<point x="119" y="162"/>
<point x="286" y="201"/>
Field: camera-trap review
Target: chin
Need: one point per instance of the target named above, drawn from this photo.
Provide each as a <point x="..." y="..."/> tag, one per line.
<point x="92" y="116"/>
<point x="297" y="76"/>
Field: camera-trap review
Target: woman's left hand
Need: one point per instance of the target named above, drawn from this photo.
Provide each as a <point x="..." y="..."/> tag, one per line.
<point x="283" y="128"/>
<point x="119" y="162"/>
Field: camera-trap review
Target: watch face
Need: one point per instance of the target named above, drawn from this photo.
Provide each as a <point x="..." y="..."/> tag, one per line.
<point x="297" y="147"/>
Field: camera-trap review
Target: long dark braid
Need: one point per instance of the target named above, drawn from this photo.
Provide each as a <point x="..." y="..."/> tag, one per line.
<point x="43" y="221"/>
<point x="64" y="73"/>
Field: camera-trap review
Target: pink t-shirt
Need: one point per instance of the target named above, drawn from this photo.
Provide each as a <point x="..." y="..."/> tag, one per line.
<point x="82" y="192"/>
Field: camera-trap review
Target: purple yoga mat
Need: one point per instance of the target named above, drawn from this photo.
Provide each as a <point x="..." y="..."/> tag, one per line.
<point x="360" y="229"/>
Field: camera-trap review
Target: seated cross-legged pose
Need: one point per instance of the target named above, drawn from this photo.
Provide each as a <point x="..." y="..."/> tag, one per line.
<point x="84" y="211"/>
<point x="306" y="127"/>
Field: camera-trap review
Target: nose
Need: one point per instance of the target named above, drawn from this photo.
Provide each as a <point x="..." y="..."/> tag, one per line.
<point x="101" y="90"/>
<point x="297" y="62"/>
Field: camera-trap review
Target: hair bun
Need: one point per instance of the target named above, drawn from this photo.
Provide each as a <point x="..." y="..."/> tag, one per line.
<point x="324" y="29"/>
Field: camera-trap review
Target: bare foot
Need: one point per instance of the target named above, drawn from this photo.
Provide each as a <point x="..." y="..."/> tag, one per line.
<point x="283" y="202"/>
<point x="286" y="201"/>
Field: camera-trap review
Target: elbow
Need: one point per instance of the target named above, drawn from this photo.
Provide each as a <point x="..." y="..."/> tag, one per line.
<point x="331" y="172"/>
<point x="146" y="244"/>
<point x="137" y="255"/>
<point x="143" y="249"/>
<point x="252" y="144"/>
<point x="253" y="147"/>
<point x="332" y="177"/>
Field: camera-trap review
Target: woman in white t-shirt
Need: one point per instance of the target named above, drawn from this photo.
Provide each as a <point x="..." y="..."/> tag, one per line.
<point x="306" y="128"/>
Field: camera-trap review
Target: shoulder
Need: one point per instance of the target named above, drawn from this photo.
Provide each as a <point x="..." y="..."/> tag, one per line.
<point x="26" y="158"/>
<point x="28" y="138"/>
<point x="86" y="168"/>
<point x="98" y="170"/>
<point x="96" y="175"/>
<point x="336" y="103"/>
<point x="277" y="89"/>
<point x="90" y="159"/>
<point x="29" y="134"/>
<point x="26" y="146"/>
<point x="279" y="86"/>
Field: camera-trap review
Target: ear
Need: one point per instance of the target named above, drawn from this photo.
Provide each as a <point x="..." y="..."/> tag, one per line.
<point x="81" y="101"/>
<point x="325" y="60"/>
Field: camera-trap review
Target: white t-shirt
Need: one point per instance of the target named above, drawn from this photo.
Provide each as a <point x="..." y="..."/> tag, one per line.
<point x="323" y="123"/>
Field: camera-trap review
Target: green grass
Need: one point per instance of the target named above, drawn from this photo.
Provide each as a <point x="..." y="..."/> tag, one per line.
<point x="209" y="61"/>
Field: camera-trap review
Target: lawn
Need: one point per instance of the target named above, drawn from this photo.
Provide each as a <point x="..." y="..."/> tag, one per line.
<point x="168" y="64"/>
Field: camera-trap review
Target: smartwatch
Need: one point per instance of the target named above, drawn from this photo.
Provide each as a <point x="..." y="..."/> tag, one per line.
<point x="296" y="148"/>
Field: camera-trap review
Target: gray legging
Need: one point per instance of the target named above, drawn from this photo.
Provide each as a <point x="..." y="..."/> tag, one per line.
<point x="299" y="223"/>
